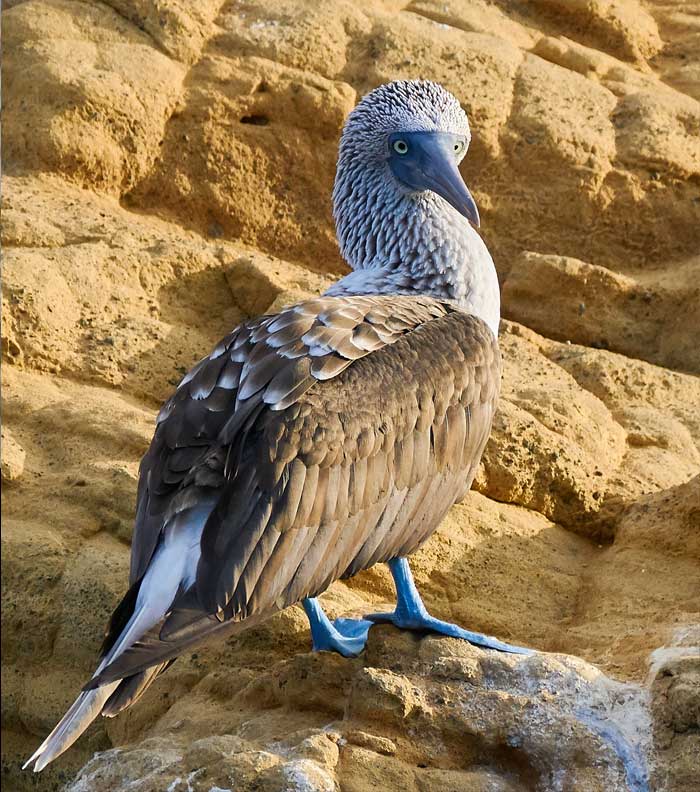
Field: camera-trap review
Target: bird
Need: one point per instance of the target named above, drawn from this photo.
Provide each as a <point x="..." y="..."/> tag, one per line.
<point x="328" y="437"/>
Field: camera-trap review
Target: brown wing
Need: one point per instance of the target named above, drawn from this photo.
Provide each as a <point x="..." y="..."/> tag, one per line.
<point x="271" y="360"/>
<point x="359" y="469"/>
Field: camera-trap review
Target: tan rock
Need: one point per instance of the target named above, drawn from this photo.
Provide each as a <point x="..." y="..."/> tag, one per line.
<point x="541" y="114"/>
<point x="112" y="91"/>
<point x="13" y="456"/>
<point x="625" y="28"/>
<point x="676" y="705"/>
<point x="638" y="118"/>
<point x="553" y="446"/>
<point x="239" y="159"/>
<point x="542" y="718"/>
<point x="34" y="558"/>
<point x="478" y="17"/>
<point x="101" y="300"/>
<point x="180" y="28"/>
<point x="571" y="300"/>
<point x="621" y="382"/>
<point x="302" y="34"/>
<point x="655" y="551"/>
<point x="678" y="63"/>
<point x="618" y="77"/>
<point x="170" y="168"/>
<point x="383" y="695"/>
<point x="262" y="284"/>
<point x="372" y="742"/>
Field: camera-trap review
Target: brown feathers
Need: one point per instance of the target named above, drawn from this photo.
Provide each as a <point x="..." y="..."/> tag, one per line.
<point x="331" y="436"/>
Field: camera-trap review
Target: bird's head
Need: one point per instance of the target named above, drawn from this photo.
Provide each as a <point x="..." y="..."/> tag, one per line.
<point x="409" y="137"/>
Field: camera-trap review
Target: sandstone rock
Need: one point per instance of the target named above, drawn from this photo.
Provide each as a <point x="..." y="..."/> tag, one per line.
<point x="13" y="456"/>
<point x="378" y="745"/>
<point x="655" y="551"/>
<point x="261" y="284"/>
<point x="34" y="558"/>
<point x="170" y="168"/>
<point x="676" y="705"/>
<point x="639" y="116"/>
<point x="379" y="691"/>
<point x="554" y="446"/>
<point x="478" y="17"/>
<point x="578" y="105"/>
<point x="618" y="77"/>
<point x="621" y="382"/>
<point x="100" y="301"/>
<point x="112" y="91"/>
<point x="626" y="28"/>
<point x="239" y="159"/>
<point x="543" y="453"/>
<point x="548" y="721"/>
<point x="678" y="63"/>
<point x="591" y="305"/>
<point x="181" y="29"/>
<point x="302" y="34"/>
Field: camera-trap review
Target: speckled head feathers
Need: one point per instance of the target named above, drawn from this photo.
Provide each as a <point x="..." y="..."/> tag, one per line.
<point x="369" y="204"/>
<point x="398" y="236"/>
<point x="401" y="106"/>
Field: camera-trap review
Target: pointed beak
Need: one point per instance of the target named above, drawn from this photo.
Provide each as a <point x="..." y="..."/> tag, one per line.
<point x="444" y="178"/>
<point x="432" y="165"/>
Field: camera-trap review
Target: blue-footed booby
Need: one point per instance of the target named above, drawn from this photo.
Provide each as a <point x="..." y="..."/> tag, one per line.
<point x="329" y="437"/>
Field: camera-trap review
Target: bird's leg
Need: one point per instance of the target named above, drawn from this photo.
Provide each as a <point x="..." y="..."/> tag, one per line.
<point x="345" y="636"/>
<point x="411" y="614"/>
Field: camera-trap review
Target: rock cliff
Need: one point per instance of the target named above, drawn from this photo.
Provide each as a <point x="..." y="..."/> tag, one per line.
<point x="167" y="173"/>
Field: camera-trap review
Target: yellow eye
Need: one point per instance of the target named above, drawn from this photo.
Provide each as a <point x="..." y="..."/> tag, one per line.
<point x="458" y="146"/>
<point x="400" y="147"/>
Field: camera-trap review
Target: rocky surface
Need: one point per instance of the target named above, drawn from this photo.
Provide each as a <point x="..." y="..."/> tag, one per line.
<point x="168" y="169"/>
<point x="398" y="718"/>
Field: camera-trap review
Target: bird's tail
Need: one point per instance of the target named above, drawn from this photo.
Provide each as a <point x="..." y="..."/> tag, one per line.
<point x="109" y="699"/>
<point x="142" y="608"/>
<point x="81" y="714"/>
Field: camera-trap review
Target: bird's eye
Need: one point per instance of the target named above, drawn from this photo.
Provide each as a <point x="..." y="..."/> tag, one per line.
<point x="458" y="146"/>
<point x="400" y="147"/>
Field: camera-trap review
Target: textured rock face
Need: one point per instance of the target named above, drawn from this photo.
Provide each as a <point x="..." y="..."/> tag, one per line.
<point x="410" y="714"/>
<point x="168" y="169"/>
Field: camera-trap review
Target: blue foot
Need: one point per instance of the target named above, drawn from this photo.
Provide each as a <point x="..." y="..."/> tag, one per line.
<point x="429" y="623"/>
<point x="353" y="628"/>
<point x="411" y="614"/>
<point x="345" y="636"/>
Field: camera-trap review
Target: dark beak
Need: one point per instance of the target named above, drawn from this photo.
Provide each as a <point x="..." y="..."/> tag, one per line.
<point x="432" y="165"/>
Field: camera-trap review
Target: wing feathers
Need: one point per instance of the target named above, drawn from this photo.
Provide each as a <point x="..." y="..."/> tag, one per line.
<point x="204" y="381"/>
<point x="332" y="435"/>
<point x="307" y="498"/>
<point x="286" y="382"/>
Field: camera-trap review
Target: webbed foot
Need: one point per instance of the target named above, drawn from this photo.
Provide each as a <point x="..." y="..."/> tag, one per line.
<point x="410" y="614"/>
<point x="345" y="636"/>
<point x="424" y="621"/>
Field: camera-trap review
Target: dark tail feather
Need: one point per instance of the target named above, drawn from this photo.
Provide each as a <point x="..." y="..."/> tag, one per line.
<point x="131" y="620"/>
<point x="107" y="699"/>
<point x="151" y="650"/>
<point x="131" y="689"/>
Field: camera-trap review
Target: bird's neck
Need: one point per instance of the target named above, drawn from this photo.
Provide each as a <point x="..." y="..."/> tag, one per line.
<point x="415" y="244"/>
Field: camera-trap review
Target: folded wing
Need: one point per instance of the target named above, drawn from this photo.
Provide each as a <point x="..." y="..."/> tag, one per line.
<point x="307" y="468"/>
